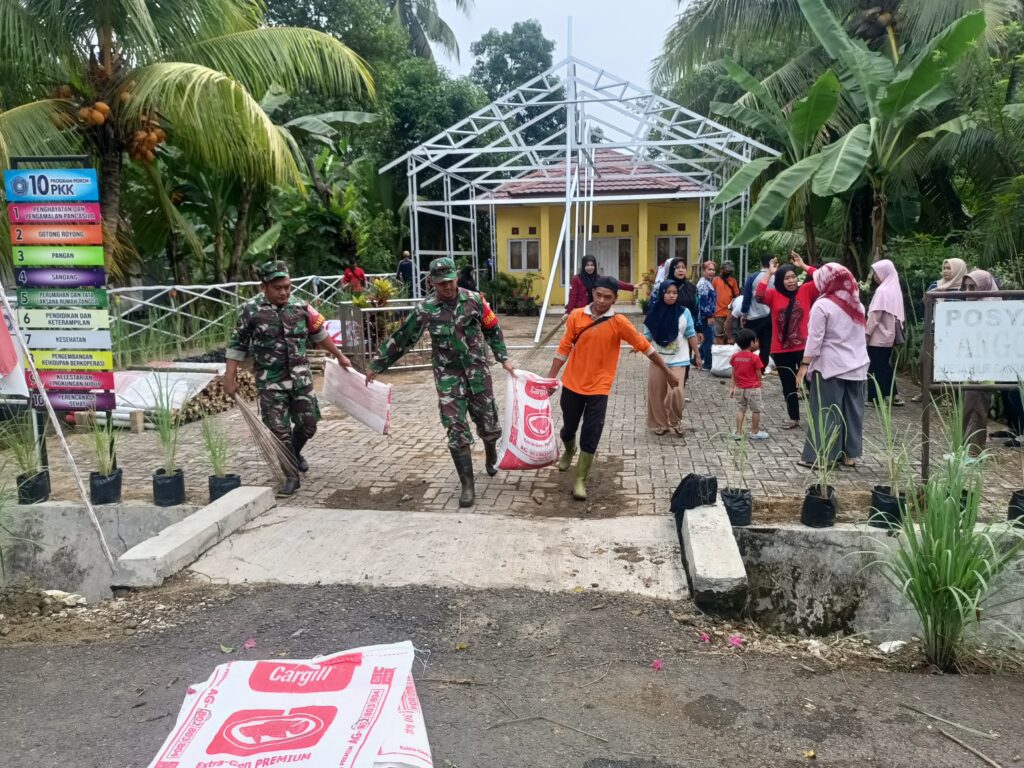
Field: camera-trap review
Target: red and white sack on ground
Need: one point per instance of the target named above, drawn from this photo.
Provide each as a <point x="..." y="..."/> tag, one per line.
<point x="355" y="709"/>
<point x="346" y="388"/>
<point x="528" y="434"/>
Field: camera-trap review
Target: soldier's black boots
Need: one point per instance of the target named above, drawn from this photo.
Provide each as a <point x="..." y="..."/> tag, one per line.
<point x="290" y="486"/>
<point x="464" y="466"/>
<point x="298" y="442"/>
<point x="491" y="451"/>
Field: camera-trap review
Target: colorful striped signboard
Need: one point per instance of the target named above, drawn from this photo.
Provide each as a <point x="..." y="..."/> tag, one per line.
<point x="54" y="277"/>
<point x="66" y="234"/>
<point x="57" y="255"/>
<point x="80" y="380"/>
<point x="53" y="213"/>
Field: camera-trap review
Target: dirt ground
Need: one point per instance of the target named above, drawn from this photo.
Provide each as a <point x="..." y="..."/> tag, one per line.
<point x="581" y="664"/>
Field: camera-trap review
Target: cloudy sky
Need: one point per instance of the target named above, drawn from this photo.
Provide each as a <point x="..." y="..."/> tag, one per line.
<point x="602" y="33"/>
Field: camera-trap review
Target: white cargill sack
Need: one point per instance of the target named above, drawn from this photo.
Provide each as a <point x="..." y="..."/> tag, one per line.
<point x="720" y="356"/>
<point x="355" y="709"/>
<point x="346" y="388"/>
<point x="528" y="434"/>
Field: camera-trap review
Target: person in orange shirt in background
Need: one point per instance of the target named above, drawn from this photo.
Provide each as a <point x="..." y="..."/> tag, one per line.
<point x="589" y="349"/>
<point x="727" y="289"/>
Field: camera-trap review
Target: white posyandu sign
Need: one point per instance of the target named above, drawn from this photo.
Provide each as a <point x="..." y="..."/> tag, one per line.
<point x="979" y="341"/>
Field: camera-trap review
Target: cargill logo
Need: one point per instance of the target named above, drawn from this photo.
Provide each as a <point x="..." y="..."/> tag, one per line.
<point x="252" y="731"/>
<point x="329" y="677"/>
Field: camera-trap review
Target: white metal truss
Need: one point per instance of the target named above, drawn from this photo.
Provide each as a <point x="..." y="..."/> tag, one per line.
<point x="555" y="128"/>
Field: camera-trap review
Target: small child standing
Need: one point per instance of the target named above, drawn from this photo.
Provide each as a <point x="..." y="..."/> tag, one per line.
<point x="746" y="384"/>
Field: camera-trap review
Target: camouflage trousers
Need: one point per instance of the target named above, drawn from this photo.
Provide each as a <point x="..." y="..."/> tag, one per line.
<point x="467" y="392"/>
<point x="283" y="408"/>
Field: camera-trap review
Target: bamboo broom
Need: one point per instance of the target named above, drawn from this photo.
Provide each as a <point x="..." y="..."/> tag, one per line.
<point x="279" y="460"/>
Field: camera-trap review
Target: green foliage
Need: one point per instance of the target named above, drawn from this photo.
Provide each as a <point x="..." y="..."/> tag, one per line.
<point x="511" y="295"/>
<point x="18" y="436"/>
<point x="217" y="445"/>
<point x="823" y="433"/>
<point x="166" y="420"/>
<point x="104" y="440"/>
<point x="897" y="446"/>
<point x="946" y="567"/>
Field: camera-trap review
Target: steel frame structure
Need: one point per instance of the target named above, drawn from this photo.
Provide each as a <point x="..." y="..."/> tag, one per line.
<point x="457" y="175"/>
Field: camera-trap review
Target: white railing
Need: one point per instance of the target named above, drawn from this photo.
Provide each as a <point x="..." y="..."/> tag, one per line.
<point x="181" y="317"/>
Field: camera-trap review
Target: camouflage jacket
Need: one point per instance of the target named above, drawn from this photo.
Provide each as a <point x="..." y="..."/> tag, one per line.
<point x="457" y="334"/>
<point x="276" y="338"/>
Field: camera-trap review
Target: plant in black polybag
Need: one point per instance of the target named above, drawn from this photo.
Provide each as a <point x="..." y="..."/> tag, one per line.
<point x="824" y="428"/>
<point x="218" y="448"/>
<point x="105" y="482"/>
<point x="897" y="447"/>
<point x="738" y="501"/>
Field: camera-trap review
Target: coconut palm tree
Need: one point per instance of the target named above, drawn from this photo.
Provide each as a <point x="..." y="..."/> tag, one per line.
<point x="124" y="78"/>
<point x="420" y="18"/>
<point x="705" y="30"/>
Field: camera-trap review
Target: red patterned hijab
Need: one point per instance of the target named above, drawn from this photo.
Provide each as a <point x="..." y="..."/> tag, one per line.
<point x="837" y="284"/>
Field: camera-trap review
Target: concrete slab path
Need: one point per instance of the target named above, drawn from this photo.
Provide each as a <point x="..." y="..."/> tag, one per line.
<point x="638" y="555"/>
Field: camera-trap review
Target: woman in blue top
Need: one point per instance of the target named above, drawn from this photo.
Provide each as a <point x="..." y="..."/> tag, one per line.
<point x="669" y="327"/>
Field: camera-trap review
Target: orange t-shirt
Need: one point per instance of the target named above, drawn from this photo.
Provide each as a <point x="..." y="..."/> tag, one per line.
<point x="727" y="289"/>
<point x="595" y="356"/>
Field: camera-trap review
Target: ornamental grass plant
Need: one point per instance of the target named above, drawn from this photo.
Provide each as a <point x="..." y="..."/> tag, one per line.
<point x="947" y="567"/>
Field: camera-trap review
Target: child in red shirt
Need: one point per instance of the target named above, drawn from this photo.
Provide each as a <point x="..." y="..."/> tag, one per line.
<point x="746" y="380"/>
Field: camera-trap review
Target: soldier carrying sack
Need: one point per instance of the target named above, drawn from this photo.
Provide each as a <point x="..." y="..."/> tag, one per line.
<point x="460" y="322"/>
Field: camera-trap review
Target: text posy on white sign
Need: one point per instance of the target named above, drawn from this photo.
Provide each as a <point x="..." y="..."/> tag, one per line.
<point x="979" y="341"/>
<point x="355" y="709"/>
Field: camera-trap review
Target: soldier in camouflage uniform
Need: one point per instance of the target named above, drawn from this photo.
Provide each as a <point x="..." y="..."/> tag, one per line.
<point x="460" y="322"/>
<point x="275" y="328"/>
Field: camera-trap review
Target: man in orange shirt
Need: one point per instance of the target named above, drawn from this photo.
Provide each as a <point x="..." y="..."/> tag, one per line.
<point x="727" y="289"/>
<point x="591" y="343"/>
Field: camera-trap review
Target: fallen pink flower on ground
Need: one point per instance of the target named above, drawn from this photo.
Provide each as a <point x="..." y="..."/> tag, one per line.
<point x="736" y="641"/>
<point x="705" y="637"/>
<point x="249" y="644"/>
<point x="657" y="665"/>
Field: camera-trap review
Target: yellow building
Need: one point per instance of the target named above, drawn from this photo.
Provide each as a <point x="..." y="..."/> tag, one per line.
<point x="628" y="238"/>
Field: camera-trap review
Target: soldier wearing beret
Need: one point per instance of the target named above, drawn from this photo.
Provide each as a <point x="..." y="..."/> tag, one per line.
<point x="274" y="329"/>
<point x="461" y="327"/>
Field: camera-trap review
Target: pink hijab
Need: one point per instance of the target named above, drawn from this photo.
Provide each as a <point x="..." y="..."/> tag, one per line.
<point x="888" y="296"/>
<point x="983" y="281"/>
<point x="837" y="284"/>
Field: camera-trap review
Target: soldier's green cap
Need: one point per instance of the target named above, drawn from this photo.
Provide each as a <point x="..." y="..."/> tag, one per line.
<point x="443" y="269"/>
<point x="271" y="270"/>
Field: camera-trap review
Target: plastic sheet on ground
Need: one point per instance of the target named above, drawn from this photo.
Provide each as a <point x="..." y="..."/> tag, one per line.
<point x="528" y="434"/>
<point x="137" y="390"/>
<point x="354" y="709"/>
<point x="347" y="389"/>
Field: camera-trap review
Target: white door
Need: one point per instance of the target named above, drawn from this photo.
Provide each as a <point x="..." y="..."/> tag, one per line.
<point x="614" y="256"/>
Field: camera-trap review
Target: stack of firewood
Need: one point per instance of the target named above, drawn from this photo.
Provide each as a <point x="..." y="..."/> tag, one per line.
<point x="211" y="399"/>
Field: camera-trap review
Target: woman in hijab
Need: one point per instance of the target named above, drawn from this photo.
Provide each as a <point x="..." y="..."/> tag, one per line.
<point x="884" y="330"/>
<point x="669" y="327"/>
<point x="676" y="274"/>
<point x="976" y="402"/>
<point x="835" y="366"/>
<point x="581" y="288"/>
<point x="790" y="305"/>
<point x="954" y="271"/>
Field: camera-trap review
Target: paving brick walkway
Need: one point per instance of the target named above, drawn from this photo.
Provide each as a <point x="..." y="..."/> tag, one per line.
<point x="635" y="472"/>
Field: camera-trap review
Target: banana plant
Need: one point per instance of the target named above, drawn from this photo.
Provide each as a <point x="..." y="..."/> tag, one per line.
<point x="798" y="133"/>
<point x="891" y="98"/>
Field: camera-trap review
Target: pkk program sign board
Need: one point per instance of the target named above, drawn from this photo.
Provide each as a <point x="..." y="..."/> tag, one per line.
<point x="977" y="342"/>
<point x="57" y="248"/>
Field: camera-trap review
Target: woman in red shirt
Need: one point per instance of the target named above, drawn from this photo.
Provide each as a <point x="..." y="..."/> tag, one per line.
<point x="581" y="289"/>
<point x="790" y="305"/>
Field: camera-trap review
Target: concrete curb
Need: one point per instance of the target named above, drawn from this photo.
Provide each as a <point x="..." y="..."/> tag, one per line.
<point x="718" y="578"/>
<point x="179" y="545"/>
